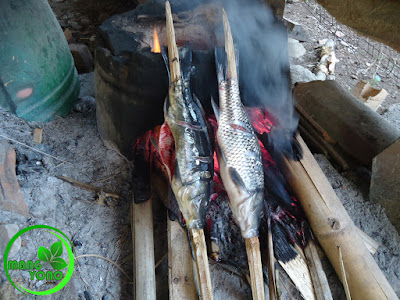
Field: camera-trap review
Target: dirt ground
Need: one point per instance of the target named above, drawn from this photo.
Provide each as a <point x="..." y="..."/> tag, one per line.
<point x="104" y="228"/>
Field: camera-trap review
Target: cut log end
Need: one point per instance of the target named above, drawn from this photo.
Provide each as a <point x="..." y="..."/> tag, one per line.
<point x="229" y="48"/>
<point x="203" y="268"/>
<point x="255" y="267"/>
<point x="173" y="54"/>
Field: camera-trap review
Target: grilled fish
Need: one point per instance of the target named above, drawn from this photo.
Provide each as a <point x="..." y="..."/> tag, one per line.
<point x="239" y="153"/>
<point x="192" y="179"/>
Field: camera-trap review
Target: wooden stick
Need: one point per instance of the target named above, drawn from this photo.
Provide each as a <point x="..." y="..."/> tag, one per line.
<point x="272" y="287"/>
<point x="369" y="242"/>
<point x="299" y="273"/>
<point x="319" y="280"/>
<point x="143" y="249"/>
<point x="333" y="227"/>
<point x="173" y="54"/>
<point x="344" y="276"/>
<point x="229" y="48"/>
<point x="88" y="187"/>
<point x="180" y="263"/>
<point x="203" y="269"/>
<point x="255" y="267"/>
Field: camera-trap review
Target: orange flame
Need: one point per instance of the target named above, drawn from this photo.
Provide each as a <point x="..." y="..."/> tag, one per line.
<point x="156" y="43"/>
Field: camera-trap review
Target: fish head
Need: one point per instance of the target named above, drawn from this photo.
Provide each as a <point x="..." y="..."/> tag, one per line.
<point x="193" y="197"/>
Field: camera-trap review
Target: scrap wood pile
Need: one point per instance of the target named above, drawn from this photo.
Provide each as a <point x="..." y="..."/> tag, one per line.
<point x="229" y="184"/>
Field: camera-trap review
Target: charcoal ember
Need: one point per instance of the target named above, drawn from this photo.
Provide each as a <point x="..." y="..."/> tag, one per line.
<point x="224" y="231"/>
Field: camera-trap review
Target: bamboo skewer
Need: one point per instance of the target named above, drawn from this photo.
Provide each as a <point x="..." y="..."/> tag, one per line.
<point x="143" y="249"/>
<point x="252" y="244"/>
<point x="197" y="235"/>
<point x="333" y="227"/>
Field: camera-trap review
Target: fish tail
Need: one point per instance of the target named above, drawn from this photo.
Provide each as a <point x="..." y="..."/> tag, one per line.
<point x="221" y="64"/>
<point x="185" y="60"/>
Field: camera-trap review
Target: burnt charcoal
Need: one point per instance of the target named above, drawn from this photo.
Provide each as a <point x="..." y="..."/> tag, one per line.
<point x="283" y="250"/>
<point x="141" y="181"/>
<point x="225" y="233"/>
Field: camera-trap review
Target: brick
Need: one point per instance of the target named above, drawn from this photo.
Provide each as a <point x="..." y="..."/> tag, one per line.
<point x="385" y="182"/>
<point x="11" y="198"/>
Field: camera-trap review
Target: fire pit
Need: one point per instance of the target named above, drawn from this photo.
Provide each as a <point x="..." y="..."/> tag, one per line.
<point x="131" y="87"/>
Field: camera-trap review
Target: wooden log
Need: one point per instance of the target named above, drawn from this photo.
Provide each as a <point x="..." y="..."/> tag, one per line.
<point x="180" y="264"/>
<point x="143" y="249"/>
<point x="345" y="123"/>
<point x="333" y="228"/>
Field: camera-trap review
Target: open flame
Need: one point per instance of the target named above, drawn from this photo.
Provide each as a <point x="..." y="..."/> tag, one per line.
<point x="156" y="43"/>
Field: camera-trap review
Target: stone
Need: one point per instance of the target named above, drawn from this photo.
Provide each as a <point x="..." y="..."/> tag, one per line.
<point x="296" y="50"/>
<point x="296" y="31"/>
<point x="6" y="234"/>
<point x="75" y="25"/>
<point x="68" y="34"/>
<point x="385" y="182"/>
<point x="82" y="57"/>
<point x="11" y="198"/>
<point x="300" y="74"/>
<point x="85" y="21"/>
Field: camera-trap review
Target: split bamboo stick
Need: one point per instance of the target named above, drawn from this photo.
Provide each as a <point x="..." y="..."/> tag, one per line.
<point x="333" y="228"/>
<point x="197" y="235"/>
<point x="319" y="280"/>
<point x="180" y="263"/>
<point x="143" y="249"/>
<point x="252" y="244"/>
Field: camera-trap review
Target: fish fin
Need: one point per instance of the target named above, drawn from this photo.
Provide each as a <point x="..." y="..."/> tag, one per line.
<point x="164" y="54"/>
<point x="215" y="108"/>
<point x="237" y="179"/>
<point x="237" y="60"/>
<point x="198" y="103"/>
<point x="221" y="63"/>
<point x="166" y="105"/>
<point x="185" y="60"/>
<point x="154" y="142"/>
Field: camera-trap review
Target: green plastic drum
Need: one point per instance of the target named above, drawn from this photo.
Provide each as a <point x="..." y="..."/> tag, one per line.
<point x="38" y="79"/>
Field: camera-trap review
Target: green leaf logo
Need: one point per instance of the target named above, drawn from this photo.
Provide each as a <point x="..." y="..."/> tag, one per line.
<point x="44" y="254"/>
<point x="58" y="263"/>
<point x="56" y="249"/>
<point x="53" y="256"/>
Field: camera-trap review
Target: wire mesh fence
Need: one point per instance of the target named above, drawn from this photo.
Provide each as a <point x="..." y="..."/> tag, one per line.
<point x="385" y="61"/>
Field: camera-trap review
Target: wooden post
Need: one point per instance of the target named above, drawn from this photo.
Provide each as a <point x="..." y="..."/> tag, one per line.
<point x="143" y="249"/>
<point x="333" y="228"/>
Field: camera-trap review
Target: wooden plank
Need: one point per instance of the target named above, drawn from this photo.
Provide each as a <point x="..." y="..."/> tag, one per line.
<point x="143" y="249"/>
<point x="180" y="264"/>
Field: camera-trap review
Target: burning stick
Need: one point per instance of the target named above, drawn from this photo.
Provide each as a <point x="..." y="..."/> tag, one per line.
<point x="244" y="188"/>
<point x="190" y="195"/>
